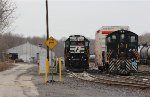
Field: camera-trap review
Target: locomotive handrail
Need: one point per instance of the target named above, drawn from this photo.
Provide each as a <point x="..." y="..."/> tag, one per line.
<point x="137" y="55"/>
<point x="109" y="54"/>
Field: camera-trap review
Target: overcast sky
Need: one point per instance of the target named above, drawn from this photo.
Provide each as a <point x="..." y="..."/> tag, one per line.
<point x="85" y="17"/>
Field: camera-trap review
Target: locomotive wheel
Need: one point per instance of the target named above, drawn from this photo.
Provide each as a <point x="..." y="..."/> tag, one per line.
<point x="66" y="65"/>
<point x="86" y="66"/>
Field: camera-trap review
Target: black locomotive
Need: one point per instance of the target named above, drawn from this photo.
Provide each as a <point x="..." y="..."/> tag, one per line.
<point x="122" y="52"/>
<point x="76" y="53"/>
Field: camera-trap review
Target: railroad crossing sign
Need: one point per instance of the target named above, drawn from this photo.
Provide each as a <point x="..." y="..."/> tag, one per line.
<point x="51" y="42"/>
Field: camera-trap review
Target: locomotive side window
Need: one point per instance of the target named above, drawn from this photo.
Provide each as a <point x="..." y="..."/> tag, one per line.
<point x="73" y="43"/>
<point x="67" y="44"/>
<point x="108" y="39"/>
<point x="133" y="39"/>
<point x="113" y="38"/>
<point x="86" y="44"/>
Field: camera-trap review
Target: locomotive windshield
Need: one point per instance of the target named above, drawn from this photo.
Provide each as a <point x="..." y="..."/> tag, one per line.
<point x="122" y="38"/>
<point x="133" y="39"/>
<point x="86" y="43"/>
<point x="79" y="43"/>
<point x="109" y="40"/>
<point x="113" y="36"/>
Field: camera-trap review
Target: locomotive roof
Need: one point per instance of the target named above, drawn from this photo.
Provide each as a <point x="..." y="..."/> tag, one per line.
<point x="122" y="31"/>
<point x="77" y="36"/>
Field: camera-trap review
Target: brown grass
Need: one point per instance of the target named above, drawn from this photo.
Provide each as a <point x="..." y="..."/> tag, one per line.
<point x="5" y="66"/>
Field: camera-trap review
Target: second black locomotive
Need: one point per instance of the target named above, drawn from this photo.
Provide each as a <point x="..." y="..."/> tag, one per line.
<point x="122" y="52"/>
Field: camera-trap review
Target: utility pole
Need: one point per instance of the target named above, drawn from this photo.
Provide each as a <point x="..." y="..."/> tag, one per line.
<point x="51" y="43"/>
<point x="47" y="59"/>
<point x="47" y="27"/>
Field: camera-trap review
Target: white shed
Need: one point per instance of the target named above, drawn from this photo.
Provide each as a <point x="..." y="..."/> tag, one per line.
<point x="30" y="53"/>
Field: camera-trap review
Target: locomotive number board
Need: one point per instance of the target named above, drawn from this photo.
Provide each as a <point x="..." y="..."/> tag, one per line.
<point x="76" y="38"/>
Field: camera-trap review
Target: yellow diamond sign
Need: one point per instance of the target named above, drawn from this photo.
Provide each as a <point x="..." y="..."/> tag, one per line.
<point x="51" y="42"/>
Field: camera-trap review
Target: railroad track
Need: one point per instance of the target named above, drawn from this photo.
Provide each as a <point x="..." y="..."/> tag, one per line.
<point x="131" y="81"/>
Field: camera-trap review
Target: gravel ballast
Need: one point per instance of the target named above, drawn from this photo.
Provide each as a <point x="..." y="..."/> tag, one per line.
<point x="72" y="87"/>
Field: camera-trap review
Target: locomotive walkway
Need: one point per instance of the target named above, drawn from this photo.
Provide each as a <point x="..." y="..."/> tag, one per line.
<point x="14" y="82"/>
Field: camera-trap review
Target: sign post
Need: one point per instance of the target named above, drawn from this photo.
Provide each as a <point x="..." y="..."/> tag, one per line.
<point x="51" y="43"/>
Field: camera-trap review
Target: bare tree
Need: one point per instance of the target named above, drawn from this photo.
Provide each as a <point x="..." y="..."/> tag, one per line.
<point x="144" y="38"/>
<point x="6" y="14"/>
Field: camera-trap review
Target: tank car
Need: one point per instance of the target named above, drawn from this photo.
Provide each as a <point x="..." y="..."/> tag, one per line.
<point x="122" y="52"/>
<point x="76" y="53"/>
<point x="144" y="52"/>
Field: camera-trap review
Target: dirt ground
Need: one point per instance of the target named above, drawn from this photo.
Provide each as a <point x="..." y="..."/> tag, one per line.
<point x="16" y="82"/>
<point x="144" y="68"/>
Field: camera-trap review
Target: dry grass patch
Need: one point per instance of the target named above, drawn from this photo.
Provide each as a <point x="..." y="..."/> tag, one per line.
<point x="5" y="66"/>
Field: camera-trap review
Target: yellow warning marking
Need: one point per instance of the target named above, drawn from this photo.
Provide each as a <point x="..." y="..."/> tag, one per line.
<point x="47" y="70"/>
<point x="38" y="69"/>
<point x="51" y="42"/>
<point x="60" y="70"/>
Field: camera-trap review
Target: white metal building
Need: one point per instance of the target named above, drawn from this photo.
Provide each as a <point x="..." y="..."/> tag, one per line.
<point x="30" y="53"/>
